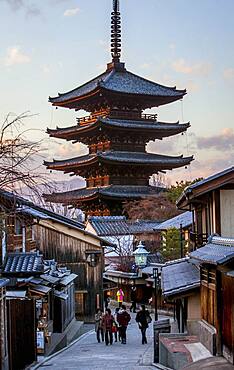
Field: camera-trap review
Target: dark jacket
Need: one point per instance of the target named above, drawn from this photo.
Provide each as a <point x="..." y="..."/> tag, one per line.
<point x="141" y="318"/>
<point x="107" y="322"/>
<point x="123" y="318"/>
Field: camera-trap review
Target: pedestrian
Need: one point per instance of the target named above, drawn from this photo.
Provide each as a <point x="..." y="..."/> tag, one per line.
<point x="107" y="324"/>
<point x="133" y="299"/>
<point x="98" y="325"/>
<point x="106" y="299"/>
<point x="120" y="297"/>
<point x="143" y="319"/>
<point x="117" y="333"/>
<point x="123" y="318"/>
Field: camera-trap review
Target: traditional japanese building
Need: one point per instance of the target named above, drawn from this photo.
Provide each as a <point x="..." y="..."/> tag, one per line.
<point x="116" y="131"/>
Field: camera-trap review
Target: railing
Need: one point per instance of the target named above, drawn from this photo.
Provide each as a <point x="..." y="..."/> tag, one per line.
<point x="91" y="118"/>
<point x="198" y="240"/>
<point x="115" y="114"/>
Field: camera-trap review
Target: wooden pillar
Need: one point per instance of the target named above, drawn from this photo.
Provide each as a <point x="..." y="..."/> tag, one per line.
<point x="23" y="239"/>
<point x="4" y="240"/>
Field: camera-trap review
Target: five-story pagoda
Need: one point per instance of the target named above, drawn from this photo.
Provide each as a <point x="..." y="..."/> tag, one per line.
<point x="117" y="167"/>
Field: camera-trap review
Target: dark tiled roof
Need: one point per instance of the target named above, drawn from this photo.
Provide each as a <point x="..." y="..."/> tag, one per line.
<point x="27" y="207"/>
<point x="217" y="251"/>
<point x="154" y="258"/>
<point x="217" y="176"/>
<point x="162" y="161"/>
<point x="179" y="276"/>
<point x="109" y="225"/>
<point x="66" y="280"/>
<point x="18" y="263"/>
<point x="3" y="282"/>
<point x="211" y="178"/>
<point x="161" y="129"/>
<point x="144" y="226"/>
<point x="122" y="82"/>
<point x="115" y="191"/>
<point x="185" y="219"/>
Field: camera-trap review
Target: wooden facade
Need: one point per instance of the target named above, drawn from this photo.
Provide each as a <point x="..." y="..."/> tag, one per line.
<point x="212" y="203"/>
<point x="21" y="333"/>
<point x="3" y="326"/>
<point x="71" y="250"/>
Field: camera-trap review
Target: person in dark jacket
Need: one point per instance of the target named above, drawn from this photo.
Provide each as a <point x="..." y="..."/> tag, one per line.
<point x="133" y="298"/>
<point x="107" y="324"/>
<point x="123" y="319"/>
<point x="143" y="319"/>
<point x="98" y="325"/>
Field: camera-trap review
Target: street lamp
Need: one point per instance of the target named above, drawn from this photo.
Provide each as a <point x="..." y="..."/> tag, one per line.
<point x="156" y="283"/>
<point x="140" y="255"/>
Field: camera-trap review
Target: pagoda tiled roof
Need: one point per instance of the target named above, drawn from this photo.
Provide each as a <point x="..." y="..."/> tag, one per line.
<point x="112" y="191"/>
<point x="121" y="157"/>
<point x="120" y="81"/>
<point x="163" y="129"/>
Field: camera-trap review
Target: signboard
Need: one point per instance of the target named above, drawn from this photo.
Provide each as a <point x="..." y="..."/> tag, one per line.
<point x="40" y="341"/>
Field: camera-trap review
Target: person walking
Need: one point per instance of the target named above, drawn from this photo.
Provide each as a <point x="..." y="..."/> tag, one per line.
<point x="117" y="333"/>
<point x="106" y="298"/>
<point x="98" y="325"/>
<point x="120" y="297"/>
<point x="107" y="324"/>
<point x="123" y="319"/>
<point x="143" y="319"/>
<point x="133" y="299"/>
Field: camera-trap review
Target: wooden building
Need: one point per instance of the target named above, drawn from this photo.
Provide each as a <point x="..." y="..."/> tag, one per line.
<point x="117" y="167"/>
<point x="212" y="202"/>
<point x="181" y="286"/>
<point x="217" y="294"/>
<point x="30" y="228"/>
<point x="4" y="365"/>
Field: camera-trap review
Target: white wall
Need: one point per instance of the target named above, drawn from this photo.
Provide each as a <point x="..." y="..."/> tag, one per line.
<point x="227" y="213"/>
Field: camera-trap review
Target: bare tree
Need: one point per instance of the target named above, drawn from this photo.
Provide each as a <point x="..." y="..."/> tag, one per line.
<point x="19" y="157"/>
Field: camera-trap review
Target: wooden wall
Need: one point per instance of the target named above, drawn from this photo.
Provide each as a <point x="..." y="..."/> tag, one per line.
<point x="228" y="317"/>
<point x="71" y="252"/>
<point x="3" y="331"/>
<point x="209" y="296"/>
<point x="21" y="333"/>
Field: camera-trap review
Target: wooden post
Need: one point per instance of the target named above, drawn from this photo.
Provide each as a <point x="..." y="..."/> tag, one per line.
<point x="23" y="239"/>
<point x="4" y="243"/>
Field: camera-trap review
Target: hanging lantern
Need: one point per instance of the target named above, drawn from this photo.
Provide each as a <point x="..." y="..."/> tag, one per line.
<point x="140" y="255"/>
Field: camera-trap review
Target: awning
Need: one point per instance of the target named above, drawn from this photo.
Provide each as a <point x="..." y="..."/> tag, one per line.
<point x="60" y="295"/>
<point x="16" y="294"/>
<point x="40" y="289"/>
<point x="68" y="279"/>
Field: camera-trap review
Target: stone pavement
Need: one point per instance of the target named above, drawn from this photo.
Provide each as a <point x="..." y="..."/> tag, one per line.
<point x="87" y="354"/>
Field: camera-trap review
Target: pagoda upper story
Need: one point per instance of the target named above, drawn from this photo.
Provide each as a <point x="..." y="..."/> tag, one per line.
<point x="116" y="131"/>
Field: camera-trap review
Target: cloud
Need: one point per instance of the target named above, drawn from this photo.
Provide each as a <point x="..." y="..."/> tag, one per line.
<point x="172" y="46"/>
<point x="192" y="86"/>
<point x="221" y="142"/>
<point x="30" y="9"/>
<point x="15" y="56"/>
<point x="228" y="74"/>
<point x="201" y="68"/>
<point x="71" y="12"/>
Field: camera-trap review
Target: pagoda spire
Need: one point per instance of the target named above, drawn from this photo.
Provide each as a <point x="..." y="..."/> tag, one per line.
<point x="115" y="32"/>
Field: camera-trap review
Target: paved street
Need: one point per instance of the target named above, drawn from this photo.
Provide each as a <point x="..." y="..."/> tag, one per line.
<point x="87" y="354"/>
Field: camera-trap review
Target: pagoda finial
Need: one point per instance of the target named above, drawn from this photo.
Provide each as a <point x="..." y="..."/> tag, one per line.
<point x="115" y="32"/>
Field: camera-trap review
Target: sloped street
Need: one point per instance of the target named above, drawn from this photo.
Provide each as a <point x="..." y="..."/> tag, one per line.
<point x="87" y="354"/>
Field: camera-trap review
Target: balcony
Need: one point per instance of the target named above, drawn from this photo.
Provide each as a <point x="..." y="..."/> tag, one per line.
<point x="124" y="115"/>
<point x="198" y="240"/>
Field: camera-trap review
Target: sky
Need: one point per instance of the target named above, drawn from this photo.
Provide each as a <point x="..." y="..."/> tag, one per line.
<point x="51" y="46"/>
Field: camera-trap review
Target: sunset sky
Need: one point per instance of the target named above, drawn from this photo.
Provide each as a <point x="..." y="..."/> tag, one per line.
<point x="51" y="46"/>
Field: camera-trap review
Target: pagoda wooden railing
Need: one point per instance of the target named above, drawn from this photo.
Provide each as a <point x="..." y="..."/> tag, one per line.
<point x="115" y="114"/>
<point x="92" y="117"/>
